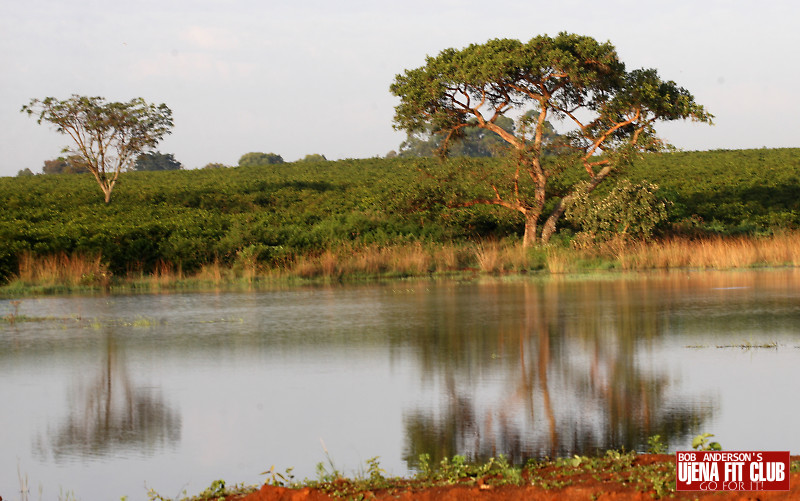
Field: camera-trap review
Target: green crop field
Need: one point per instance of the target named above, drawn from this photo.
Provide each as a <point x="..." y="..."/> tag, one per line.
<point x="274" y="212"/>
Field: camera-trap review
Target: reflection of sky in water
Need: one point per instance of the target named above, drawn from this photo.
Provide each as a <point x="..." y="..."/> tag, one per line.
<point x="228" y="384"/>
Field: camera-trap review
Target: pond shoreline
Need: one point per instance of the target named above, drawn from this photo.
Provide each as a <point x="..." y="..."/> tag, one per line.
<point x="78" y="274"/>
<point x="617" y="475"/>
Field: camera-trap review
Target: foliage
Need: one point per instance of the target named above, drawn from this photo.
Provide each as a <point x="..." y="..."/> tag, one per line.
<point x="73" y="164"/>
<point x="570" y="77"/>
<point x="272" y="215"/>
<point x="473" y="142"/>
<point x="25" y="172"/>
<point x="701" y="443"/>
<point x="614" y="471"/>
<point x="628" y="211"/>
<point x="726" y="191"/>
<point x="107" y="136"/>
<point x="313" y="157"/>
<point x="256" y="158"/>
<point x="215" y="165"/>
<point x="279" y="479"/>
<point x="656" y="445"/>
<point x="156" y="161"/>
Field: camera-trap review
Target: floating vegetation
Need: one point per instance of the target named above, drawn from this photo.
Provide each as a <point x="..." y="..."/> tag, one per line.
<point x="746" y="345"/>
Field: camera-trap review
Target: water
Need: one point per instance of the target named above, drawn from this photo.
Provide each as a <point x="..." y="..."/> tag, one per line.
<point x="107" y="396"/>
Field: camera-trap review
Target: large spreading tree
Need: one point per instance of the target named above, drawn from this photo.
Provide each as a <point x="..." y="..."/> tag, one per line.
<point x="574" y="79"/>
<point x="108" y="137"/>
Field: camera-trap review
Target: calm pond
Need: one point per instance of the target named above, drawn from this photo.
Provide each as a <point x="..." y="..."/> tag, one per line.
<point x="106" y="396"/>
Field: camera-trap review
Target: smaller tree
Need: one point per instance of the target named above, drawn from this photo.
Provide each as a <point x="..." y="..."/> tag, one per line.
<point x="215" y="165"/>
<point x="156" y="161"/>
<point x="108" y="136"/>
<point x="25" y="172"/>
<point x="628" y="211"/>
<point x="256" y="158"/>
<point x="313" y="157"/>
<point x="72" y="164"/>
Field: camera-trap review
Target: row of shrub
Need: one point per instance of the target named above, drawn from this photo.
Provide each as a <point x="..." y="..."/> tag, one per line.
<point x="273" y="213"/>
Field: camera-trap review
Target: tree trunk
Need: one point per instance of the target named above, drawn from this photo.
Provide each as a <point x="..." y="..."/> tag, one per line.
<point x="529" y="238"/>
<point x="550" y="225"/>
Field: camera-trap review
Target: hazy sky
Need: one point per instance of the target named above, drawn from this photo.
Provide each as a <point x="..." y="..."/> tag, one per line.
<point x="305" y="77"/>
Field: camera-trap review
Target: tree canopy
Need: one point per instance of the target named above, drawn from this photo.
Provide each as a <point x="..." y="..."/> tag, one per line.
<point x="107" y="136"/>
<point x="473" y="142"/>
<point x="610" y="112"/>
<point x="156" y="161"/>
<point x="313" y="157"/>
<point x="73" y="164"/>
<point x="256" y="158"/>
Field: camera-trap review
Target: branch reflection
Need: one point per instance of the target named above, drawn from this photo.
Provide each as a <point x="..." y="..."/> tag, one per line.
<point x="109" y="413"/>
<point x="547" y="369"/>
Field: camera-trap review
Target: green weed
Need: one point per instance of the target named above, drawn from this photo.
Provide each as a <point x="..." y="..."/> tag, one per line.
<point x="701" y="443"/>
<point x="656" y="445"/>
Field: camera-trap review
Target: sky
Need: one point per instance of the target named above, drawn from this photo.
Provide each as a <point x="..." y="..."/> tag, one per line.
<point x="303" y="77"/>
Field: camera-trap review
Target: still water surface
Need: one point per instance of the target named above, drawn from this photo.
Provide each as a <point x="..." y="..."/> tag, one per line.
<point x="107" y="396"/>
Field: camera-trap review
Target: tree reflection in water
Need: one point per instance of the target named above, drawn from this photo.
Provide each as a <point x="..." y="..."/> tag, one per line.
<point x="566" y="376"/>
<point x="108" y="414"/>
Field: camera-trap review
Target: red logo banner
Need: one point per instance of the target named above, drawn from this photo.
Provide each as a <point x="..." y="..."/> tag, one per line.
<point x="732" y="470"/>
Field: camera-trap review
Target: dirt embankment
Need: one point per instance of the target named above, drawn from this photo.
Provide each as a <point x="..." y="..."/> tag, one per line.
<point x="586" y="486"/>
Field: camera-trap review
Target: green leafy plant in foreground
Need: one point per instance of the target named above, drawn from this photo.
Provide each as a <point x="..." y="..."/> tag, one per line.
<point x="701" y="443"/>
<point x="656" y="445"/>
<point x="279" y="479"/>
<point x="656" y="478"/>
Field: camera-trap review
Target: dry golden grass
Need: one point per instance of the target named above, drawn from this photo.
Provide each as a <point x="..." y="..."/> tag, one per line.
<point x="559" y="260"/>
<point x="213" y="272"/>
<point x="503" y="256"/>
<point x="449" y="257"/>
<point x="63" y="269"/>
<point x="719" y="253"/>
<point x="163" y="275"/>
<point x="487" y="254"/>
<point x="417" y="259"/>
<point x="409" y="259"/>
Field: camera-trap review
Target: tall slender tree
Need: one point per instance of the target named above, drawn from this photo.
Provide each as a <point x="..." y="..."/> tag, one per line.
<point x="107" y="136"/>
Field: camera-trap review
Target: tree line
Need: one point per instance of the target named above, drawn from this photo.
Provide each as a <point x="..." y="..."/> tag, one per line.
<point x="157" y="161"/>
<point x="459" y="102"/>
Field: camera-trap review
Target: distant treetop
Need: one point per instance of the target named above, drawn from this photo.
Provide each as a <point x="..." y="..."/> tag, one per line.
<point x="313" y="157"/>
<point x="257" y="158"/>
<point x="156" y="161"/>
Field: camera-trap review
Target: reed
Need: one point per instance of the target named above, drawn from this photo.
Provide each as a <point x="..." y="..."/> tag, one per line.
<point x="246" y="265"/>
<point x="487" y="254"/>
<point x="410" y="259"/>
<point x="407" y="259"/>
<point x="70" y="270"/>
<point x="448" y="257"/>
<point x="353" y="261"/>
<point x="214" y="272"/>
<point x="719" y="253"/>
<point x="328" y="264"/>
<point x="164" y="274"/>
<point x="559" y="260"/>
